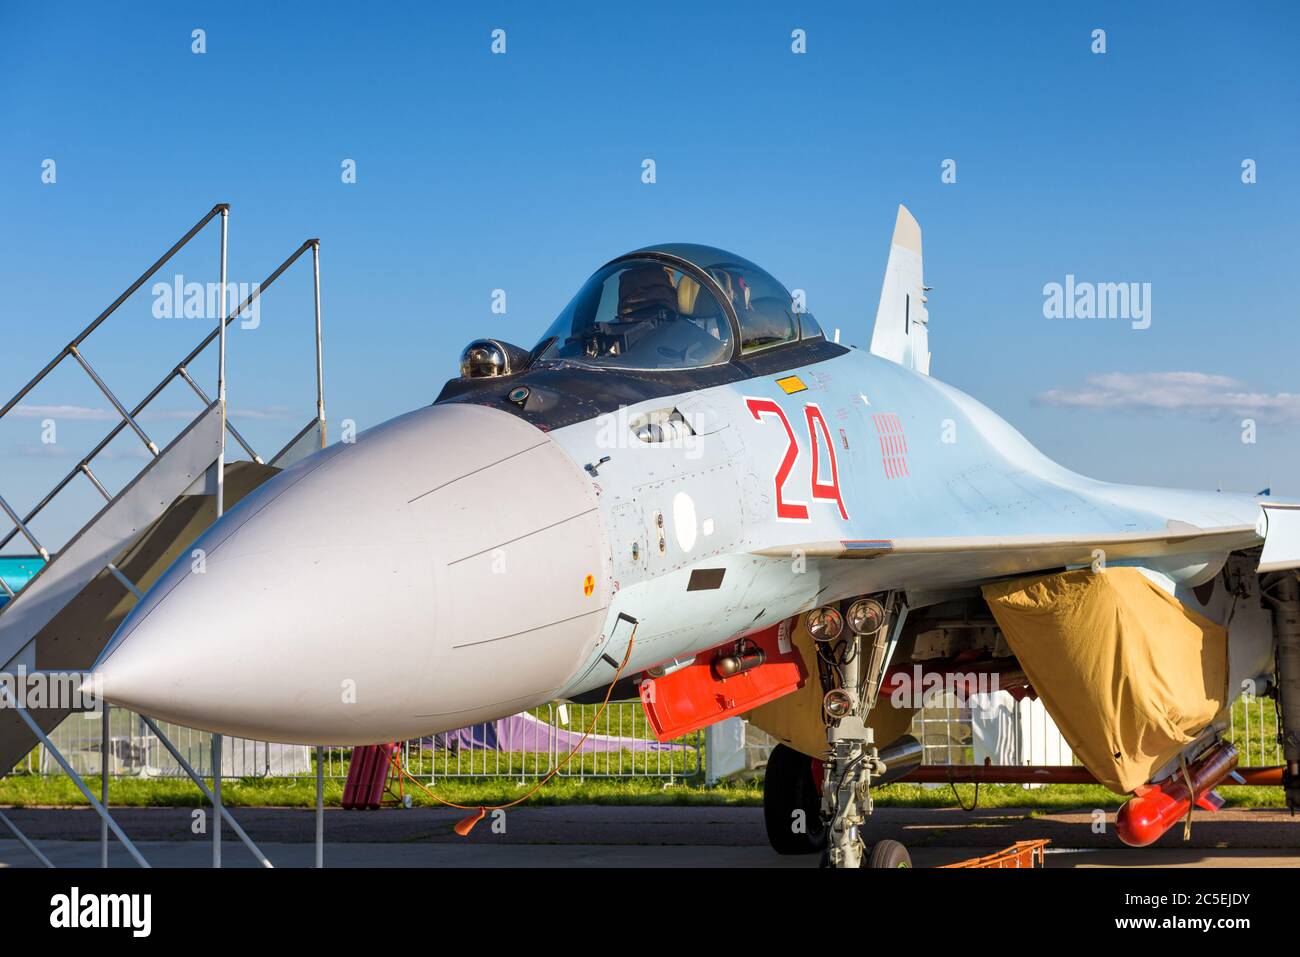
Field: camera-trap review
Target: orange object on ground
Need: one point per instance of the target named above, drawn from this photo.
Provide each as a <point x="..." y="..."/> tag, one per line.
<point x="466" y="824"/>
<point x="703" y="693"/>
<point x="1020" y="854"/>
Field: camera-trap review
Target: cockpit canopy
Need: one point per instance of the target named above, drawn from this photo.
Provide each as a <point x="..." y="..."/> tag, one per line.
<point x="678" y="306"/>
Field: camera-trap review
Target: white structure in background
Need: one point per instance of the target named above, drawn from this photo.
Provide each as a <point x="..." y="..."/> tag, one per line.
<point x="1007" y="731"/>
<point x="136" y="752"/>
<point x="724" y="750"/>
<point x="734" y="748"/>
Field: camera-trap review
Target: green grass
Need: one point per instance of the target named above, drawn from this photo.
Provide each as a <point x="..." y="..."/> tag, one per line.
<point x="22" y="790"/>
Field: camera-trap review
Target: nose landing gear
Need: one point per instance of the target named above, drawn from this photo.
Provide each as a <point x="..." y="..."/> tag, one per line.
<point x="792" y="806"/>
<point x="851" y="665"/>
<point x="854" y="644"/>
<point x="846" y="801"/>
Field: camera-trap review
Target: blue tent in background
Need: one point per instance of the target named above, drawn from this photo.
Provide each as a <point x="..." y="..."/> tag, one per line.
<point x="528" y="733"/>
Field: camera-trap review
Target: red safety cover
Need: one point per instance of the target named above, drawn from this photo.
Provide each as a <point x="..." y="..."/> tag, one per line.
<point x="694" y="696"/>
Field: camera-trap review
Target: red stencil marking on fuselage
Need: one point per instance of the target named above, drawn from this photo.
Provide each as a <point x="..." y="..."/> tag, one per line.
<point x="893" y="444"/>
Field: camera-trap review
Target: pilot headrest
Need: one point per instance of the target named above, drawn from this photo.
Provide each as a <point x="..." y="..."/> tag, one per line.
<point x="644" y="287"/>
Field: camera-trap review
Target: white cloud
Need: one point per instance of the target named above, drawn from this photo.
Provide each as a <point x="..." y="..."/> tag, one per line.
<point x="43" y="451"/>
<point x="23" y="411"/>
<point x="90" y="414"/>
<point x="270" y="412"/>
<point x="266" y="412"/>
<point x="168" y="415"/>
<point x="1196" y="392"/>
<point x="130" y="453"/>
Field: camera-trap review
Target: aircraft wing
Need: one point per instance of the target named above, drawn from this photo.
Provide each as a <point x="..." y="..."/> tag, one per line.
<point x="978" y="557"/>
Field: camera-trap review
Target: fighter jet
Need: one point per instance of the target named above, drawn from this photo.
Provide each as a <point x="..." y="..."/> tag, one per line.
<point x="687" y="487"/>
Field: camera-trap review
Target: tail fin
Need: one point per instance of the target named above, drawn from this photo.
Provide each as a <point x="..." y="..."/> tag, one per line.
<point x="902" y="332"/>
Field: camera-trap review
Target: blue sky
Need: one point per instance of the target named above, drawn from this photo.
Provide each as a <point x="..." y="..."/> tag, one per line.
<point x="522" y="172"/>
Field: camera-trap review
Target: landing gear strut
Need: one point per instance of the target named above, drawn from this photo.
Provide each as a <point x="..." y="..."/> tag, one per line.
<point x="846" y="795"/>
<point x="853" y="648"/>
<point x="1283" y="591"/>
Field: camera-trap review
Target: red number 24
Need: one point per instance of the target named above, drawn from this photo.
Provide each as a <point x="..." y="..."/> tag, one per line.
<point x="828" y="490"/>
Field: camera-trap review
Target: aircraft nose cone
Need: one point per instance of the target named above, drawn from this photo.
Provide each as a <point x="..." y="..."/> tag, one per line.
<point x="447" y="568"/>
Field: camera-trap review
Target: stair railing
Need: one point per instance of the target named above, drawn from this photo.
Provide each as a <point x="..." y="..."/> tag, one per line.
<point x="129" y="418"/>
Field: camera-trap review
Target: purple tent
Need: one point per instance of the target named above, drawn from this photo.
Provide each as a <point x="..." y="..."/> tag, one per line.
<point x="526" y="733"/>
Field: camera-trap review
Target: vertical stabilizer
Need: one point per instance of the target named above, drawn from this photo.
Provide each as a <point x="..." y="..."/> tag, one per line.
<point x="902" y="331"/>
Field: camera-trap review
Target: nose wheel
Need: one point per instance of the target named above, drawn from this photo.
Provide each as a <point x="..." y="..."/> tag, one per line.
<point x="886" y="854"/>
<point x="889" y="854"/>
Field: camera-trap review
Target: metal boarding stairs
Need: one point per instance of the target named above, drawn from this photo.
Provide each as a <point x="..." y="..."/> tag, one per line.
<point x="61" y="619"/>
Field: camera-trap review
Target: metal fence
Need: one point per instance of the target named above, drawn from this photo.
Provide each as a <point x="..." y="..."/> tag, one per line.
<point x="621" y="746"/>
<point x="1253" y="730"/>
<point x="134" y="750"/>
<point x="946" y="732"/>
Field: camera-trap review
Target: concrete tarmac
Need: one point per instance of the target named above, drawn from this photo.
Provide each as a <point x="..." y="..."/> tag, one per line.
<point x="612" y="836"/>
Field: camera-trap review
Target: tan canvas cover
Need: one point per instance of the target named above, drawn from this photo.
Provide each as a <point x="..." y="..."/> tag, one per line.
<point x="796" y="719"/>
<point x="1127" y="672"/>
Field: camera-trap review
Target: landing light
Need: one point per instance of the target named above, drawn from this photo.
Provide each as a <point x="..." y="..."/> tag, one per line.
<point x="838" y="703"/>
<point x="825" y="624"/>
<point x="865" y="616"/>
